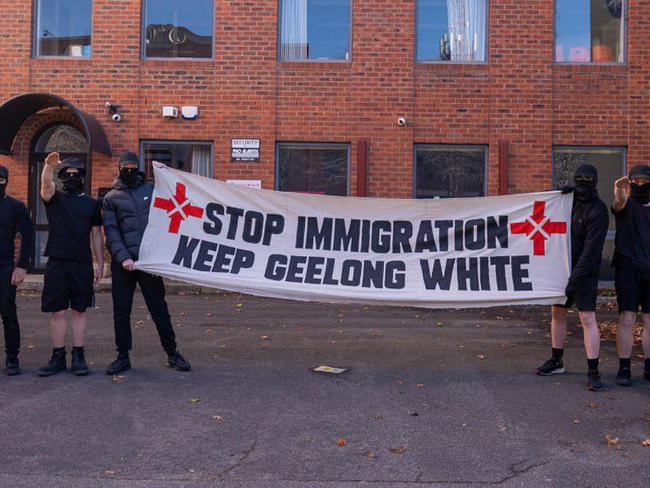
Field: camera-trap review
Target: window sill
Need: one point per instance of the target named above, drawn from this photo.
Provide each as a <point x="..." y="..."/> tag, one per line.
<point x="63" y="58"/>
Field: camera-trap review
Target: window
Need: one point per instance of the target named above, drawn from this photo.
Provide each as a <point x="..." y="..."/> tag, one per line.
<point x="452" y="30"/>
<point x="178" y="28"/>
<point x="192" y="157"/>
<point x="312" y="168"/>
<point x="610" y="163"/>
<point x="589" y="31"/>
<point x="314" y="30"/>
<point x="450" y="171"/>
<point x="63" y="28"/>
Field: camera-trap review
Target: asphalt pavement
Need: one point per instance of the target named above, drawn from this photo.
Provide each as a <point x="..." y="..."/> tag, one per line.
<point x="430" y="398"/>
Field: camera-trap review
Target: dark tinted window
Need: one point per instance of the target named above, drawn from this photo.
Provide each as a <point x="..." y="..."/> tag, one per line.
<point x="63" y="28"/>
<point x="178" y="28"/>
<point x="187" y="156"/>
<point x="450" y="171"/>
<point x="321" y="169"/>
<point x="315" y="29"/>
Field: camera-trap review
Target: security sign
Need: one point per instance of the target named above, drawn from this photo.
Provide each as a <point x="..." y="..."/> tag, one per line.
<point x="245" y="149"/>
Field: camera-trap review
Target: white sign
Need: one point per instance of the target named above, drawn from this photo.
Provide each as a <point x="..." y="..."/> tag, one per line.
<point x="245" y="149"/>
<point x="429" y="253"/>
<point x="246" y="183"/>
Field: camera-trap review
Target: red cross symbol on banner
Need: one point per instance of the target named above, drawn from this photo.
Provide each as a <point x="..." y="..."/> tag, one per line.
<point x="178" y="208"/>
<point x="539" y="228"/>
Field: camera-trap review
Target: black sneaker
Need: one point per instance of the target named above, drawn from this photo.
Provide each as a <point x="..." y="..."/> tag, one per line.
<point x="122" y="363"/>
<point x="178" y="362"/>
<point x="79" y="366"/>
<point x="56" y="364"/>
<point x="593" y="382"/>
<point x="551" y="367"/>
<point x="624" y="377"/>
<point x="12" y="365"/>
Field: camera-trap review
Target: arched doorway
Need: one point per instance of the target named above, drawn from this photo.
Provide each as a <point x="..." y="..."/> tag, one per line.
<point x="69" y="142"/>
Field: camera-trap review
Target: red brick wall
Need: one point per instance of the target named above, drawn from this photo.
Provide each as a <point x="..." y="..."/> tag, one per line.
<point x="519" y="95"/>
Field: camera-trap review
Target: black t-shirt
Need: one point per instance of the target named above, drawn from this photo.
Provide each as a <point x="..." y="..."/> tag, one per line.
<point x="14" y="218"/>
<point x="71" y="219"/>
<point x="633" y="236"/>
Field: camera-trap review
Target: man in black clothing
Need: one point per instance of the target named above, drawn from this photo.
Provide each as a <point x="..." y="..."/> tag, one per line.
<point x="631" y="207"/>
<point x="126" y="213"/>
<point x="75" y="219"/>
<point x="589" y="225"/>
<point x="13" y="219"/>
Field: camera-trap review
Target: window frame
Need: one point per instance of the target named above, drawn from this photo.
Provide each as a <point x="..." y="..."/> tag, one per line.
<point x="440" y="61"/>
<point x="486" y="152"/>
<point x="180" y="143"/>
<point x="624" y="19"/>
<point x="306" y="145"/>
<point x="35" y="51"/>
<point x="279" y="41"/>
<point x="143" y="38"/>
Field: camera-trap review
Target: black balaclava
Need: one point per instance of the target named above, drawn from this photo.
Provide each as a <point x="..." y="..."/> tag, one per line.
<point x="72" y="184"/>
<point x="129" y="176"/>
<point x="586" y="190"/>
<point x="640" y="193"/>
<point x="4" y="173"/>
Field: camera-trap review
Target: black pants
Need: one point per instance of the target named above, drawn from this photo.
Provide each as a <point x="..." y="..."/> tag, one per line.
<point x="8" y="309"/>
<point x="153" y="291"/>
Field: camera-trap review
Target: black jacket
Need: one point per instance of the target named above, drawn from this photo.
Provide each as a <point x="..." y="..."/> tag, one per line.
<point x="126" y="213"/>
<point x="14" y="218"/>
<point x="589" y="226"/>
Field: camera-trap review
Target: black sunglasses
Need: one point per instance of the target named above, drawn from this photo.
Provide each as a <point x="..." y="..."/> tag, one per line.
<point x="584" y="179"/>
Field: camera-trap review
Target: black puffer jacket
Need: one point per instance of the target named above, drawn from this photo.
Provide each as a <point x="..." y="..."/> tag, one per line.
<point x="589" y="225"/>
<point x="126" y="213"/>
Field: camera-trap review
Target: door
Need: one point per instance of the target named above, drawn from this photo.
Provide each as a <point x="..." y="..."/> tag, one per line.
<point x="68" y="142"/>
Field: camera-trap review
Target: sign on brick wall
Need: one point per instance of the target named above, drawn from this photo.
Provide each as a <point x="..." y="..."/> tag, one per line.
<point x="245" y="149"/>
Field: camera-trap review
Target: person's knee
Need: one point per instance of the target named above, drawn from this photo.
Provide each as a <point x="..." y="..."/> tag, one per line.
<point x="627" y="319"/>
<point x="76" y="314"/>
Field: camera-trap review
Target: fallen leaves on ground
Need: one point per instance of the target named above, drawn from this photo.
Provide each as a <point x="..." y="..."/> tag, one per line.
<point x="264" y="338"/>
<point x="480" y="356"/>
<point x="613" y="441"/>
<point x="646" y="443"/>
<point x="341" y="442"/>
<point x="608" y="331"/>
<point x="118" y="378"/>
<point x="397" y="450"/>
<point x="195" y="400"/>
<point x="370" y="455"/>
<point x="218" y="418"/>
<point x="420" y="385"/>
<point x="592" y="404"/>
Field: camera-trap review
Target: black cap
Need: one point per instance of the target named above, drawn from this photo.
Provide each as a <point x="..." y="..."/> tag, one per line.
<point x="129" y="158"/>
<point x="72" y="163"/>
<point x="640" y="170"/>
<point x="587" y="170"/>
<point x="4" y="172"/>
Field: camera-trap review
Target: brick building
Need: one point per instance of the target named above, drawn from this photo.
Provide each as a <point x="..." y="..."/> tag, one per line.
<point x="494" y="96"/>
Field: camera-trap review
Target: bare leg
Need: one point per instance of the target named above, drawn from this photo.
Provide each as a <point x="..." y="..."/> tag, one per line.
<point x="624" y="335"/>
<point x="58" y="326"/>
<point x="591" y="334"/>
<point x="645" y="338"/>
<point x="558" y="326"/>
<point x="78" y="328"/>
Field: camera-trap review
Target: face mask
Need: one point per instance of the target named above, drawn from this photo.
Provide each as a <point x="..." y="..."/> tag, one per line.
<point x="586" y="190"/>
<point x="129" y="176"/>
<point x="3" y="189"/>
<point x="73" y="184"/>
<point x="640" y="193"/>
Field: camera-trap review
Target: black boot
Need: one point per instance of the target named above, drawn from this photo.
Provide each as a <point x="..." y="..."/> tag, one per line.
<point x="79" y="366"/>
<point x="178" y="362"/>
<point x="12" y="364"/>
<point x="56" y="364"/>
<point x="122" y="363"/>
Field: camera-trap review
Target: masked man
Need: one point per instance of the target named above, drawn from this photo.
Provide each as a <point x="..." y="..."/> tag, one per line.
<point x="13" y="219"/>
<point x="631" y="207"/>
<point x="126" y="213"/>
<point x="75" y="222"/>
<point x="589" y="225"/>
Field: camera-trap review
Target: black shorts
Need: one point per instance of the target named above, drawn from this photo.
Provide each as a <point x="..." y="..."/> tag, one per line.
<point x="585" y="296"/>
<point x="67" y="284"/>
<point x="632" y="289"/>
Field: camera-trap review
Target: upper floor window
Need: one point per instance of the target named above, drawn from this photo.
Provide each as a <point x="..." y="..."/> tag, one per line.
<point x="452" y="30"/>
<point x="314" y="30"/>
<point x="63" y="28"/>
<point x="443" y="171"/>
<point x="590" y="31"/>
<point x="178" y="28"/>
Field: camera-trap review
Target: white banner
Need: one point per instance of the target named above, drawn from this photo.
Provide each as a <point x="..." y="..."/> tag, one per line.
<point x="469" y="252"/>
